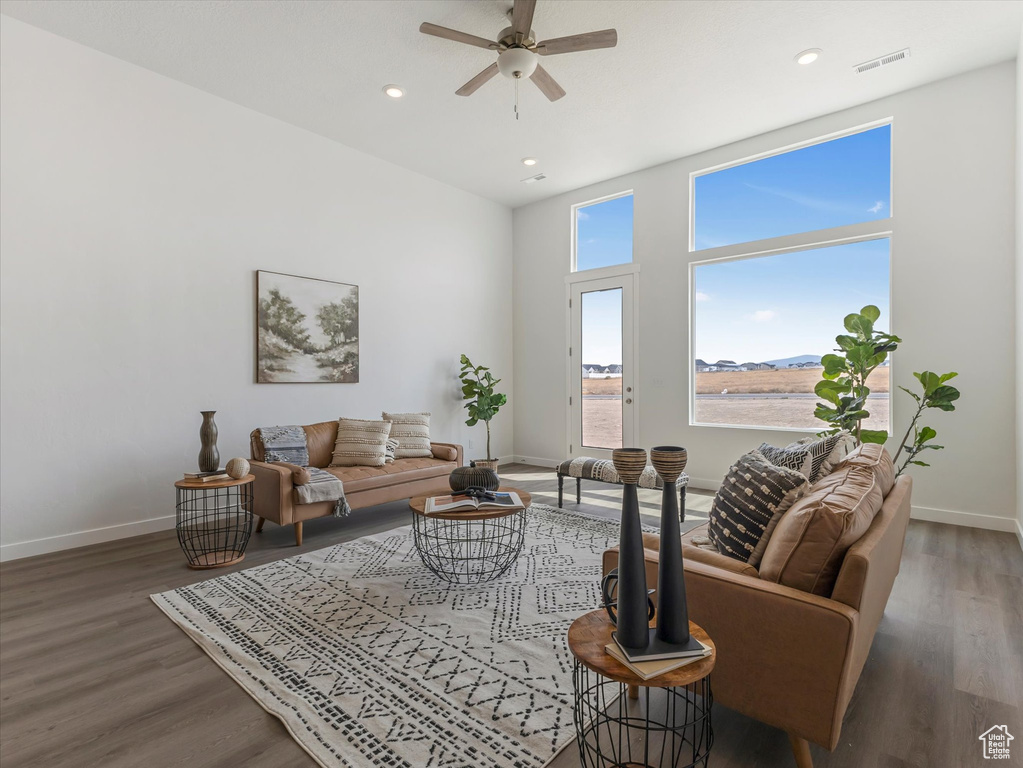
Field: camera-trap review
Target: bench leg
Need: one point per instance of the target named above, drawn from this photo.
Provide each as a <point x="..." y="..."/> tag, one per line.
<point x="801" y="751"/>
<point x="578" y="490"/>
<point x="298" y="534"/>
<point x="259" y="525"/>
<point x="561" y="490"/>
<point x="682" y="504"/>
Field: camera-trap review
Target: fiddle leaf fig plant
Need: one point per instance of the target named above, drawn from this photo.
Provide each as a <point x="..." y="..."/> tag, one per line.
<point x="844" y="386"/>
<point x="936" y="394"/>
<point x="478" y="389"/>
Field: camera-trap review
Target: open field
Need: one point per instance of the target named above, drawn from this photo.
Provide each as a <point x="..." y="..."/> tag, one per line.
<point x="786" y="380"/>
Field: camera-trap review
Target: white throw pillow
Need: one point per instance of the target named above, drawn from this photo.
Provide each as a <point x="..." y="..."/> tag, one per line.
<point x="412" y="431"/>
<point x="360" y="443"/>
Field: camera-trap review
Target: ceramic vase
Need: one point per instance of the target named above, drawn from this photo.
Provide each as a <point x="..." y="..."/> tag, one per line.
<point x="672" y="610"/>
<point x="632" y="630"/>
<point x="473" y="476"/>
<point x="209" y="456"/>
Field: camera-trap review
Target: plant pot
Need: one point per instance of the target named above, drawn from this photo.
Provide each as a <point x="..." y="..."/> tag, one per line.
<point x="484" y="464"/>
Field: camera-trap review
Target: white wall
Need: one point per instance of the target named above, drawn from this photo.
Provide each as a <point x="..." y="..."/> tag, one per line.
<point x="1019" y="290"/>
<point x="135" y="212"/>
<point x="953" y="298"/>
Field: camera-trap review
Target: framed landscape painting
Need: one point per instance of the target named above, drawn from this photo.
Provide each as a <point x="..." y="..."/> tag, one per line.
<point x="307" y="330"/>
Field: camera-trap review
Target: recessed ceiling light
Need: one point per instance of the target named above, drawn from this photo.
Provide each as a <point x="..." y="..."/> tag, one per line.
<point x="529" y="161"/>
<point x="809" y="56"/>
<point x="394" y="91"/>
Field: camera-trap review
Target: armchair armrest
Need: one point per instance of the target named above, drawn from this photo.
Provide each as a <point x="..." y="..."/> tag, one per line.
<point x="784" y="656"/>
<point x="271" y="492"/>
<point x="447" y="452"/>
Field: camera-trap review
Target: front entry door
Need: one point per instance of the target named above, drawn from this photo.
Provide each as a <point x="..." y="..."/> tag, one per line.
<point x="601" y="366"/>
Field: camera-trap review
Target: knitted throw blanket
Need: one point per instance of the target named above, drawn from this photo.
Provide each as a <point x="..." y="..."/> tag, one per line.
<point x="288" y="444"/>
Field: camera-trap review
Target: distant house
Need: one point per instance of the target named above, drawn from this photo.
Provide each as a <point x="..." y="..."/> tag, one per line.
<point x="756" y="367"/>
<point x="725" y="365"/>
<point x="702" y="366"/>
<point x="614" y="370"/>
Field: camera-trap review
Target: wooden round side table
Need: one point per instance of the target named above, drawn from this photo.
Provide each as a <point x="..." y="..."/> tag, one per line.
<point x="214" y="521"/>
<point x="624" y="721"/>
<point x="469" y="547"/>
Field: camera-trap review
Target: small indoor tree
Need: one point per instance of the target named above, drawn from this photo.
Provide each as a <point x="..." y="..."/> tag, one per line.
<point x="844" y="386"/>
<point x="478" y="389"/>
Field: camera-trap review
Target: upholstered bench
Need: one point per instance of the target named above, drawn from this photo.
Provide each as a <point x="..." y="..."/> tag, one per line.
<point x="603" y="471"/>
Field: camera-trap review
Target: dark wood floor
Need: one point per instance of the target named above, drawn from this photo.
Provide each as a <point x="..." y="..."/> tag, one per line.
<point x="92" y="674"/>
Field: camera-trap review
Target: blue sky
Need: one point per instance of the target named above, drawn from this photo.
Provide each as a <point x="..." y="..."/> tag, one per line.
<point x="771" y="307"/>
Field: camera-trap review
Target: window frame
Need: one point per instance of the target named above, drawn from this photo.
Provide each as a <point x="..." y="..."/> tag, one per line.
<point x="863" y="128"/>
<point x="877" y="229"/>
<point x="573" y="266"/>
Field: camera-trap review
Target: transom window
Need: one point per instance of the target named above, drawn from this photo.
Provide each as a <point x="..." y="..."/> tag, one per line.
<point x="603" y="233"/>
<point x="763" y="315"/>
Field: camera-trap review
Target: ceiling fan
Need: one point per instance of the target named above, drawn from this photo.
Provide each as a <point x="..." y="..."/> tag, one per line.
<point x="519" y="51"/>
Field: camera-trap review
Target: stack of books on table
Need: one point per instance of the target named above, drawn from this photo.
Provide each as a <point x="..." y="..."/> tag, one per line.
<point x="654" y="664"/>
<point x="206" y="477"/>
<point x="459" y="503"/>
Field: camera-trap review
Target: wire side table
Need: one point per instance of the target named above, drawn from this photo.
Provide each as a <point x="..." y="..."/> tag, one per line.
<point x="623" y="720"/>
<point x="469" y="547"/>
<point x="214" y="521"/>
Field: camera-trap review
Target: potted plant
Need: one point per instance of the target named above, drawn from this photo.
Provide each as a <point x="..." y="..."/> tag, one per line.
<point x="483" y="402"/>
<point x="860" y="351"/>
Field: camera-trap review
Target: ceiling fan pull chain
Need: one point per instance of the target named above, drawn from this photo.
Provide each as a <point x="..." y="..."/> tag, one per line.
<point x="516" y="98"/>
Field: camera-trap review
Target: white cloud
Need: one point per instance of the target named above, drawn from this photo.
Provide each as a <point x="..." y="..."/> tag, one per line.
<point x="581" y="215"/>
<point x="590" y="241"/>
<point x="701" y="296"/>
<point x="763" y="315"/>
<point x="876" y="207"/>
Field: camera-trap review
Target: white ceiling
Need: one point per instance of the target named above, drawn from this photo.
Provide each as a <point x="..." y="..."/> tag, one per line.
<point x="685" y="77"/>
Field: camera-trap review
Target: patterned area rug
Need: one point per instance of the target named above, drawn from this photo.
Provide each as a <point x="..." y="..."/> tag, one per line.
<point x="369" y="659"/>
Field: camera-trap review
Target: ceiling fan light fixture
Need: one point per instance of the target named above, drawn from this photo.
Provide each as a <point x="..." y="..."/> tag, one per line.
<point x="529" y="161"/>
<point x="517" y="63"/>
<point x="809" y="56"/>
<point x="394" y="91"/>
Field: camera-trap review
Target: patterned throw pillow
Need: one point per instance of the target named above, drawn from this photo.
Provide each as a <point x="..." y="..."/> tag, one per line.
<point x="360" y="443"/>
<point x="795" y="457"/>
<point x="753" y="496"/>
<point x="412" y="431"/>
<point x="389" y="449"/>
<point x="827" y="452"/>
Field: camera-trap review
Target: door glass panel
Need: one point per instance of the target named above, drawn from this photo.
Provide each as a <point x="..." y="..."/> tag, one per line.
<point x="601" y="396"/>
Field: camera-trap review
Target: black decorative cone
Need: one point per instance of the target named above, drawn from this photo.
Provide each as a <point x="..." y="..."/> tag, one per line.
<point x="633" y="624"/>
<point x="672" y="610"/>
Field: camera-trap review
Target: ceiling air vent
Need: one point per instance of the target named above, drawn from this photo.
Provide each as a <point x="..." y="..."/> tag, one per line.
<point x="531" y="179"/>
<point x="882" y="61"/>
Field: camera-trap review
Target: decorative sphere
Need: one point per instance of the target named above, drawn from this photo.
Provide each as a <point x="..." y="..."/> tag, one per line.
<point x="238" y="468"/>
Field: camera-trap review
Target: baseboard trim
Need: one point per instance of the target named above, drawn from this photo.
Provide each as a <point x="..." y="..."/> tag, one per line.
<point x="1019" y="533"/>
<point x="966" y="519"/>
<point x="536" y="461"/>
<point x="64" y="541"/>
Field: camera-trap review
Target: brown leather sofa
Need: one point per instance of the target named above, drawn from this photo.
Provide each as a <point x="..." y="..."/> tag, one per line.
<point x="786" y="657"/>
<point x="274" y="489"/>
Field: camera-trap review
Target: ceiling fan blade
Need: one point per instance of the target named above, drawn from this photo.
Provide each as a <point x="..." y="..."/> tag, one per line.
<point x="459" y="37"/>
<point x="471" y="87"/>
<point x="522" y="17"/>
<point x="547" y="84"/>
<point x="588" y="41"/>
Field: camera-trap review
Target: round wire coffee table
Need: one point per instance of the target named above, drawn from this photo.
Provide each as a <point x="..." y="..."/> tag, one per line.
<point x="623" y="720"/>
<point x="469" y="547"/>
<point x="214" y="521"/>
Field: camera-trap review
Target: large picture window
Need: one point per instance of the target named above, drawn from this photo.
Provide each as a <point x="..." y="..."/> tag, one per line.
<point x="764" y="314"/>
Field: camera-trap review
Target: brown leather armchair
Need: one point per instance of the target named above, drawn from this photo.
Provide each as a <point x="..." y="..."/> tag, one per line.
<point x="785" y="657"/>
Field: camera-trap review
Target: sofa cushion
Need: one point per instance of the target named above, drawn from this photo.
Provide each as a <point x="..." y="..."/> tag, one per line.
<point x="320" y="438"/>
<point x="826" y="452"/>
<point x="754" y="494"/>
<point x="697" y="546"/>
<point x="391" y="446"/>
<point x="794" y="456"/>
<point x="811" y="539"/>
<point x="397" y="472"/>
<point x="360" y="443"/>
<point x="412" y="431"/>
<point x="878" y="460"/>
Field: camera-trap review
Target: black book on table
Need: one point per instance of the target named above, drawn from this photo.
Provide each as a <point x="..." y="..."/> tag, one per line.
<point x="656" y="650"/>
